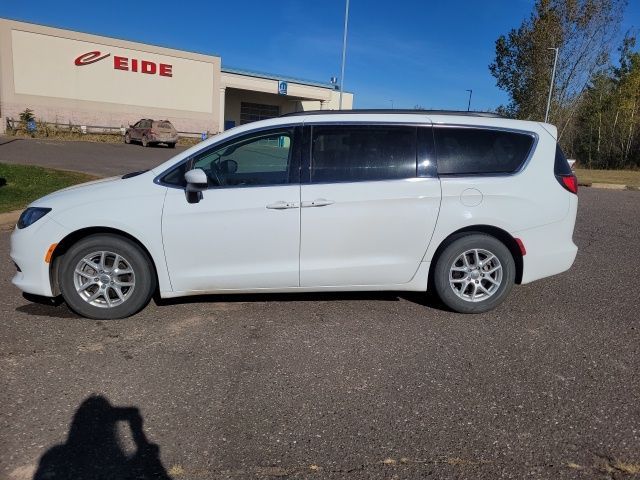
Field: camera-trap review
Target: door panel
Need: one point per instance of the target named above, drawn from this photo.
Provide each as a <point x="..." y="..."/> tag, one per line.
<point x="370" y="203"/>
<point x="135" y="131"/>
<point x="244" y="232"/>
<point x="231" y="240"/>
<point x="367" y="233"/>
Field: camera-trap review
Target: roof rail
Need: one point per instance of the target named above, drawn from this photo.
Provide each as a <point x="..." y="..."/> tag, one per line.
<point x="463" y="113"/>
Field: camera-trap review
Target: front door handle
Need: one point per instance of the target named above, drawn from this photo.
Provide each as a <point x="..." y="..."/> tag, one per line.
<point x="282" y="205"/>
<point x="318" y="202"/>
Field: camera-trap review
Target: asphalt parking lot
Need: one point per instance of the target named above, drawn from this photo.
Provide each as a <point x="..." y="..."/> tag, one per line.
<point x="102" y="159"/>
<point x="331" y="386"/>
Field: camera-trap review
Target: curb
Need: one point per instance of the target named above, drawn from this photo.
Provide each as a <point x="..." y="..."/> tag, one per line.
<point x="609" y="186"/>
<point x="8" y="220"/>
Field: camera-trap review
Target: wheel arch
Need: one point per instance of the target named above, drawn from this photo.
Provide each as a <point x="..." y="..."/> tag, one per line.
<point x="74" y="237"/>
<point x="498" y="233"/>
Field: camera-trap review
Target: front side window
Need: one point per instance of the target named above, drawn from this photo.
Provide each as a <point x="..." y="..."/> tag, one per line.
<point x="354" y="153"/>
<point x="469" y="151"/>
<point x="255" y="160"/>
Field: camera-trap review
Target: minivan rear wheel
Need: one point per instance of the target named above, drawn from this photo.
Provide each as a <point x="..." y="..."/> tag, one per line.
<point x="474" y="273"/>
<point x="106" y="277"/>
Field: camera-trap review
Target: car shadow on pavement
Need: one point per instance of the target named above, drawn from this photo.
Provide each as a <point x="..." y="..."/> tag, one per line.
<point x="278" y="297"/>
<point x="45" y="307"/>
<point x="93" y="448"/>
<point x="56" y="308"/>
<point x="424" y="299"/>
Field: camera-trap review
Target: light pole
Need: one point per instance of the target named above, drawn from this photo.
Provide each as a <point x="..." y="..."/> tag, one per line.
<point x="469" y="104"/>
<point x="553" y="78"/>
<point x="391" y="104"/>
<point x="344" y="51"/>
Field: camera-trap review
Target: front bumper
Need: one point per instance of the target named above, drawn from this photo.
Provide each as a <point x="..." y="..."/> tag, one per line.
<point x="29" y="247"/>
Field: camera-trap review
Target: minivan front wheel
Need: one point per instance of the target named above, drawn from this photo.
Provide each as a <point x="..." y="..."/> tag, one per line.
<point x="474" y="273"/>
<point x="106" y="277"/>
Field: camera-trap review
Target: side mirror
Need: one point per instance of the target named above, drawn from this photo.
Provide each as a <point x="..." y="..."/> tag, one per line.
<point x="197" y="182"/>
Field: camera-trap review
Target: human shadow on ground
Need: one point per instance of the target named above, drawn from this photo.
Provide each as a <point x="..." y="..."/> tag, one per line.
<point x="94" y="451"/>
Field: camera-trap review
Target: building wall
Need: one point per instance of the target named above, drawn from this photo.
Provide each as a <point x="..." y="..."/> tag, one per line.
<point x="245" y="88"/>
<point x="72" y="77"/>
<point x="332" y="104"/>
<point x="38" y="70"/>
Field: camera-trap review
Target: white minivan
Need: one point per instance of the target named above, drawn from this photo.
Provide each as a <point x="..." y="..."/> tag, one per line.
<point x="464" y="204"/>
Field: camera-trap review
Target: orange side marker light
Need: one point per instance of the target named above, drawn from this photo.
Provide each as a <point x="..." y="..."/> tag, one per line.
<point x="49" y="254"/>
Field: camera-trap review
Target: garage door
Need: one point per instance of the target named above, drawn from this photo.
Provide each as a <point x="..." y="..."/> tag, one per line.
<point x="252" y="112"/>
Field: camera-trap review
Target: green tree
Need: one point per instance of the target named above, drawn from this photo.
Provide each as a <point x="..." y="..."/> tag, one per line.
<point x="608" y="119"/>
<point x="583" y="30"/>
<point x="26" y="116"/>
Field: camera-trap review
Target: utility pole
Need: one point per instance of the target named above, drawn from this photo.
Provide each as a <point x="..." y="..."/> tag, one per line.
<point x="553" y="79"/>
<point x="391" y="104"/>
<point x="344" y="51"/>
<point x="469" y="104"/>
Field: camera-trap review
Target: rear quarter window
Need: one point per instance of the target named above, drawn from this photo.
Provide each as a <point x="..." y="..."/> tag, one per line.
<point x="474" y="151"/>
<point x="561" y="165"/>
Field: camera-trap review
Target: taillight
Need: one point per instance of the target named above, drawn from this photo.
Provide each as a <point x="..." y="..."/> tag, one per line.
<point x="569" y="182"/>
<point x="563" y="172"/>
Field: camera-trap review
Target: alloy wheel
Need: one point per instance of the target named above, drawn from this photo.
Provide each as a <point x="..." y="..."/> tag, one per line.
<point x="475" y="275"/>
<point x="104" y="279"/>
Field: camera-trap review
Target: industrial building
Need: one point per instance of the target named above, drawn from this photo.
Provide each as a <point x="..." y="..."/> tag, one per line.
<point x="83" y="79"/>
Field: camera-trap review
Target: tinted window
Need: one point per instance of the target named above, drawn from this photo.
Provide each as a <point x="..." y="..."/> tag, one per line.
<point x="259" y="159"/>
<point x="362" y="153"/>
<point x="561" y="165"/>
<point x="473" y="150"/>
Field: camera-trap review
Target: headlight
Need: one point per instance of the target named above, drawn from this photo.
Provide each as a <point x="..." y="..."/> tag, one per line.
<point x="31" y="215"/>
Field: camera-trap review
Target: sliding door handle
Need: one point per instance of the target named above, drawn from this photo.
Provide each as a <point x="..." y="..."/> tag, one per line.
<point x="318" y="202"/>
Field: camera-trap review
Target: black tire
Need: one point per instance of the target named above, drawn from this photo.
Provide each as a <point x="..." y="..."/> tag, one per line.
<point x="145" y="141"/>
<point x="138" y="261"/>
<point x="127" y="138"/>
<point x="171" y="145"/>
<point x="451" y="256"/>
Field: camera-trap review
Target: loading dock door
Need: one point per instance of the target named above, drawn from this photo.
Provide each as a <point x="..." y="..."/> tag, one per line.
<point x="252" y="112"/>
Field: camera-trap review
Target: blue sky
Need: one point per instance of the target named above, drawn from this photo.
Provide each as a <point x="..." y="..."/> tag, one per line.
<point x="410" y="52"/>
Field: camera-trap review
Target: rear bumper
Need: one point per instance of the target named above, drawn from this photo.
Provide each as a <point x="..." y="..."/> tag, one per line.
<point x="163" y="138"/>
<point x="550" y="248"/>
